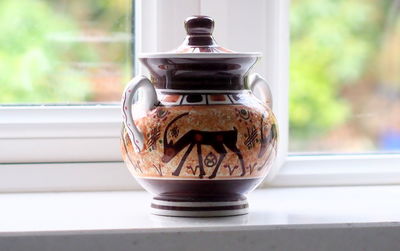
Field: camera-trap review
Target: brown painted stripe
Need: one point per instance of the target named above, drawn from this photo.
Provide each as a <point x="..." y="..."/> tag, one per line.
<point x="235" y="198"/>
<point x="215" y="208"/>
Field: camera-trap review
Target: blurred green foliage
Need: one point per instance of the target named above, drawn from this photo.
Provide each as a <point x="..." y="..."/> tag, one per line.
<point x="43" y="58"/>
<point x="332" y="44"/>
<point x="29" y="59"/>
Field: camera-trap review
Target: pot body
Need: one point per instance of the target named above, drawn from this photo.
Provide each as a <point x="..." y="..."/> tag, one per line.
<point x="202" y="150"/>
<point x="197" y="138"/>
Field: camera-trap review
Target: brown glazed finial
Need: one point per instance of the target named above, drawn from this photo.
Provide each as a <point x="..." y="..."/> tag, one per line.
<point x="199" y="25"/>
<point x="199" y="37"/>
<point x="199" y="31"/>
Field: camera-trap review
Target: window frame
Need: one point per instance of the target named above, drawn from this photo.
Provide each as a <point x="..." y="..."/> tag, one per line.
<point x="71" y="148"/>
<point x="35" y="134"/>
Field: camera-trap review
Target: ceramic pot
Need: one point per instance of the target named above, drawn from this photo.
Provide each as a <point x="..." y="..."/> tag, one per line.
<point x="197" y="137"/>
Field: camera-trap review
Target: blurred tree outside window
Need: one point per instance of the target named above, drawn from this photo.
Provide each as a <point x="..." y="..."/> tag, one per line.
<point x="345" y="76"/>
<point x="62" y="51"/>
<point x="344" y="72"/>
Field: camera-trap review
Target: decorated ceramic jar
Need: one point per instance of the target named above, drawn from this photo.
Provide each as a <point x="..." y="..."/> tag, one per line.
<point x="198" y="138"/>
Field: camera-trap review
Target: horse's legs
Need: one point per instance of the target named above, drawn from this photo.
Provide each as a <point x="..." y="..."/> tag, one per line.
<point x="222" y="152"/>
<point x="179" y="168"/>
<point x="234" y="149"/>
<point x="202" y="172"/>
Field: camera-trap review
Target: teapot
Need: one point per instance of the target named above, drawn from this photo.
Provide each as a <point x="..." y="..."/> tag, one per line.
<point x="197" y="137"/>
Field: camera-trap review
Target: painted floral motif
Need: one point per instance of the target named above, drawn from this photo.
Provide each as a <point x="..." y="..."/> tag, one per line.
<point x="251" y="137"/>
<point x="158" y="168"/>
<point x="250" y="168"/>
<point x="174" y="132"/>
<point x="161" y="113"/>
<point x="136" y="166"/>
<point x="193" y="170"/>
<point x="231" y="169"/>
<point x="153" y="136"/>
<point x="244" y="114"/>
<point x="210" y="160"/>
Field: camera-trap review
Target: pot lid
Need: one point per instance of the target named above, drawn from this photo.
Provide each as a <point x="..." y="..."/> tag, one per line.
<point x="200" y="43"/>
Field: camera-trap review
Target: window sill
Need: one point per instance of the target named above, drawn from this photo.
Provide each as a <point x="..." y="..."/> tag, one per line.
<point x="312" y="218"/>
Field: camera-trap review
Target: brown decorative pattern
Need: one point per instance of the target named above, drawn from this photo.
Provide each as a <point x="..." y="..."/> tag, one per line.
<point x="251" y="137"/>
<point x="167" y="99"/>
<point x="175" y="132"/>
<point x="250" y="168"/>
<point x="231" y="169"/>
<point x="193" y="170"/>
<point x="210" y="160"/>
<point x="158" y="168"/>
<point x="189" y="142"/>
<point x="153" y="136"/>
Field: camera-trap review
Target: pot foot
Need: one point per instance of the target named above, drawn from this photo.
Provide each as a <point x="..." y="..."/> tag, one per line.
<point x="199" y="209"/>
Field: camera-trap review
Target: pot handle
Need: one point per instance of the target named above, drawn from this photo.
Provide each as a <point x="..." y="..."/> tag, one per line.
<point x="147" y="102"/>
<point x="254" y="80"/>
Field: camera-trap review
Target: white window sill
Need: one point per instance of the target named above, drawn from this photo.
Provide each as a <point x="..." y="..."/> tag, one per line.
<point x="313" y="218"/>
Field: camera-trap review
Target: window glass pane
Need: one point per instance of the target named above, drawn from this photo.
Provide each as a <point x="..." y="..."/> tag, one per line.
<point x="63" y="51"/>
<point x="345" y="76"/>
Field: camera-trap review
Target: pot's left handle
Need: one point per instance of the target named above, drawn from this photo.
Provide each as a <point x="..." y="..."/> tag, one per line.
<point x="148" y="101"/>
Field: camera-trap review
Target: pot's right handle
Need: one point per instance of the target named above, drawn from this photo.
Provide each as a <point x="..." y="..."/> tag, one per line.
<point x="254" y="80"/>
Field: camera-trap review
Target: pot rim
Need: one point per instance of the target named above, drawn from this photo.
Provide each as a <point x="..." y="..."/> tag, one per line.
<point x="201" y="55"/>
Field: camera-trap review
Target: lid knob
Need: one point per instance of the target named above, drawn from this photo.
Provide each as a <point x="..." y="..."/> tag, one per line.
<point x="199" y="37"/>
<point x="199" y="25"/>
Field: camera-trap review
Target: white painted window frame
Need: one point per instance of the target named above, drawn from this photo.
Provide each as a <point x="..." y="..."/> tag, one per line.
<point x="71" y="148"/>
